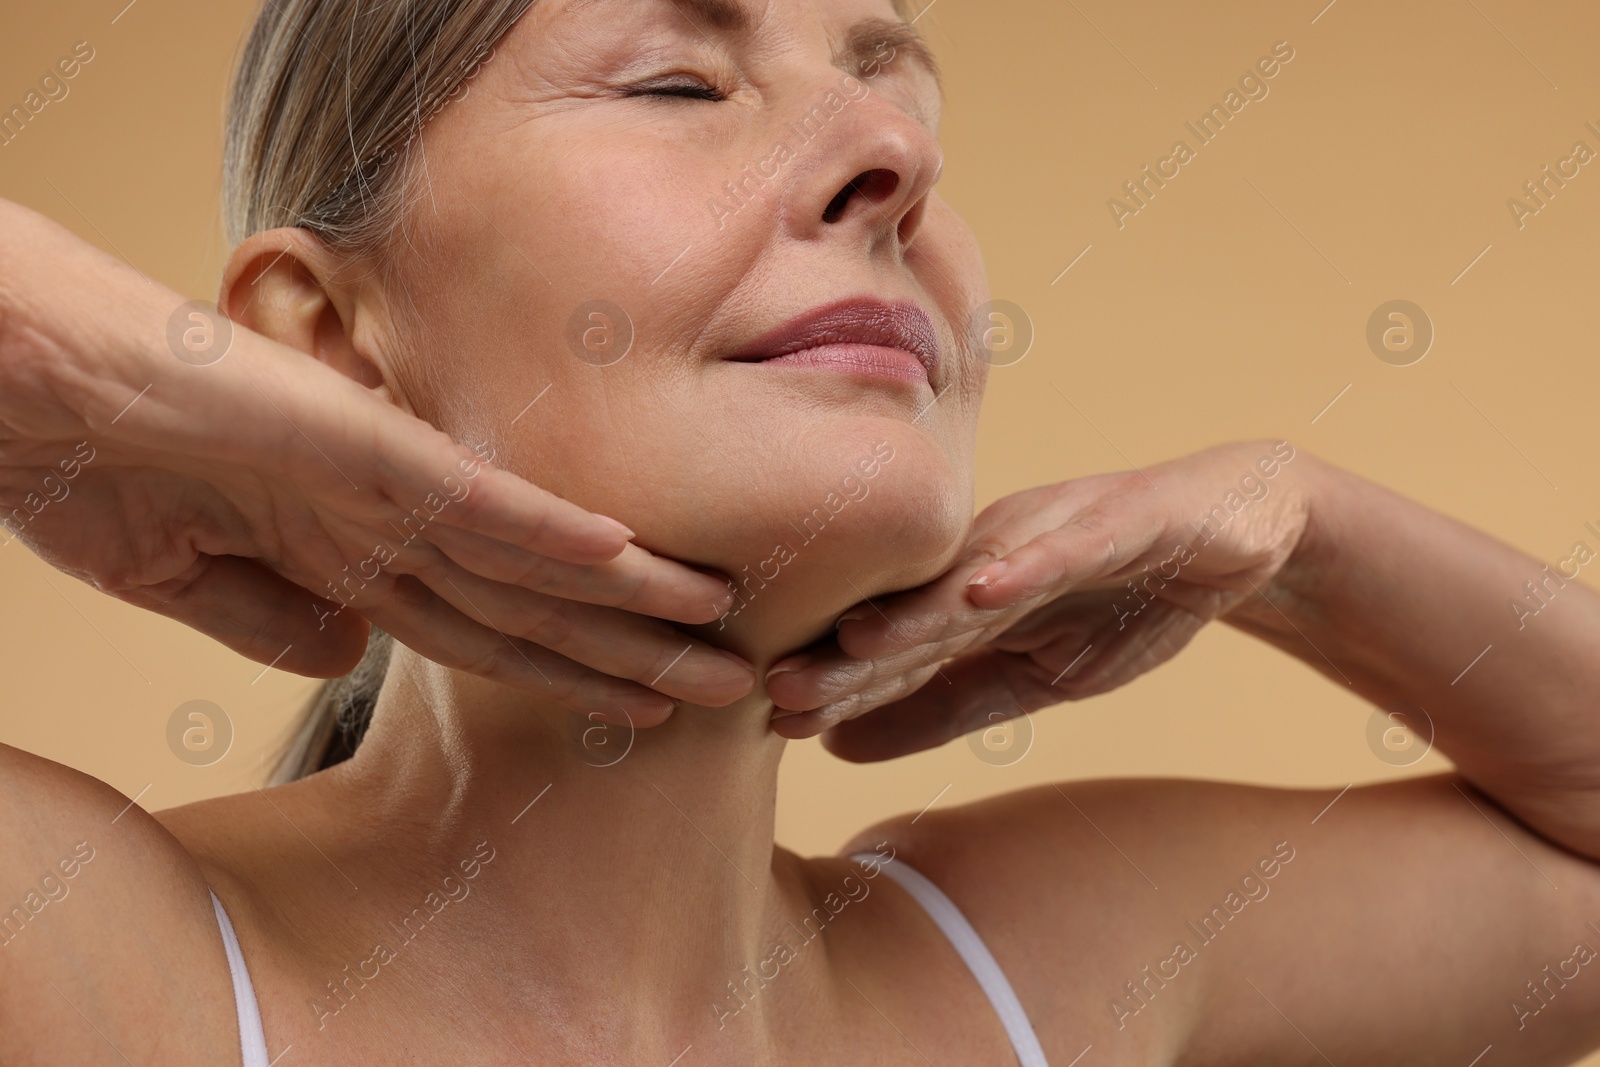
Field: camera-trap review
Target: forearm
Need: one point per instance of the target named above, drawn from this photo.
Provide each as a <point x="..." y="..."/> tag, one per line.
<point x="80" y="336"/>
<point x="1413" y="609"/>
<point x="91" y="350"/>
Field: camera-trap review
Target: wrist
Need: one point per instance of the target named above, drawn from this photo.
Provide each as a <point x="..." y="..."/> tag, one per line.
<point x="1295" y="594"/>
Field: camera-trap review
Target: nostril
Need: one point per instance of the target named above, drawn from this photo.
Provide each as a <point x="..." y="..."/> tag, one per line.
<point x="835" y="207"/>
<point x="873" y="184"/>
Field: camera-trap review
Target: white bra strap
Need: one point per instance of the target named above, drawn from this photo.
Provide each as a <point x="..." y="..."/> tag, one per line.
<point x="943" y="911"/>
<point x="252" y="1040"/>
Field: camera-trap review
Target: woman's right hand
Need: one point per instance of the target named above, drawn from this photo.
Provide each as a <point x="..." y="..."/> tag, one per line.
<point x="275" y="505"/>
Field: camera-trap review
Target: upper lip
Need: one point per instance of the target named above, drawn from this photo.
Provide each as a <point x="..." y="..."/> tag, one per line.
<point x="899" y="325"/>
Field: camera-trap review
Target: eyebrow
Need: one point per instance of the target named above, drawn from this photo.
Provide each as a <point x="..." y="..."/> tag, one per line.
<point x="861" y="43"/>
<point x="730" y="16"/>
<point x="866" y="37"/>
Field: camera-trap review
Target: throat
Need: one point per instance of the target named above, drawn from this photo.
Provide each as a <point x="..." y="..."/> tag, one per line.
<point x="622" y="866"/>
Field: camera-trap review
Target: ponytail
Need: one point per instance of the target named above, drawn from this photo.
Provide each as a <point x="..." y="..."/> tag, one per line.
<point x="338" y="716"/>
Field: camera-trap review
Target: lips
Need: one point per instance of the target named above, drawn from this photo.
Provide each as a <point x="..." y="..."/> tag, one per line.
<point x="868" y="335"/>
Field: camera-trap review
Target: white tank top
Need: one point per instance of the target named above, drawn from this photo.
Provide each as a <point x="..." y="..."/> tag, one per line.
<point x="979" y="960"/>
<point x="940" y="908"/>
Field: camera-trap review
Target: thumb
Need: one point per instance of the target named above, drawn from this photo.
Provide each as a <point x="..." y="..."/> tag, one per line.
<point x="984" y="688"/>
<point x="1076" y="553"/>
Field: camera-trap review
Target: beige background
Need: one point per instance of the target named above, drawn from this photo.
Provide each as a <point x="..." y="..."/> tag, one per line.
<point x="1233" y="305"/>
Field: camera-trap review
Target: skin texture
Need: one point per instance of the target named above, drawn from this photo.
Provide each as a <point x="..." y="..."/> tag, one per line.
<point x="604" y="885"/>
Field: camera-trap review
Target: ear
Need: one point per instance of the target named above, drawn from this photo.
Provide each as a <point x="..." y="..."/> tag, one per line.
<point x="286" y="285"/>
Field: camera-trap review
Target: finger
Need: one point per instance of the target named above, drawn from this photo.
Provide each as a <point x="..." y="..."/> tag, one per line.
<point x="259" y="614"/>
<point x="1073" y="617"/>
<point x="938" y="623"/>
<point x="423" y="621"/>
<point x="827" y="674"/>
<point x="1093" y="545"/>
<point x="1049" y="655"/>
<point x="952" y="605"/>
<point x="985" y="688"/>
<point x="407" y="464"/>
<point x="927" y="625"/>
<point x="500" y="505"/>
<point x="635" y="580"/>
<point x="798" y="726"/>
<point x="610" y="641"/>
<point x="1121" y="653"/>
<point x="919" y="617"/>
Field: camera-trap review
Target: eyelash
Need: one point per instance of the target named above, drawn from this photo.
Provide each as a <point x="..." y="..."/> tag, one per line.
<point x="682" y="90"/>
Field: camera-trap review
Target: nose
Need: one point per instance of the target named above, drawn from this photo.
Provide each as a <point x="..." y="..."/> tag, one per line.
<point x="865" y="175"/>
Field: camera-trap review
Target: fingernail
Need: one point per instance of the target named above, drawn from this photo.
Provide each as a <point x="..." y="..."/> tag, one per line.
<point x="989" y="575"/>
<point x="629" y="534"/>
<point x="645" y="707"/>
<point x="741" y="661"/>
<point x="788" y="666"/>
<point x="852" y="615"/>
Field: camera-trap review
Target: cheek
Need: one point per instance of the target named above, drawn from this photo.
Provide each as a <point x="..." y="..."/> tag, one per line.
<point x="949" y="265"/>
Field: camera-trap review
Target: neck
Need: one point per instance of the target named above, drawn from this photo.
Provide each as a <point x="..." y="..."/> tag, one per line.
<point x="626" y="867"/>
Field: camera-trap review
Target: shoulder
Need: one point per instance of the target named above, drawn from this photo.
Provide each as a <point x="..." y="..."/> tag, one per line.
<point x="1065" y="882"/>
<point x="1084" y="841"/>
<point x="1157" y="917"/>
<point x="106" y="923"/>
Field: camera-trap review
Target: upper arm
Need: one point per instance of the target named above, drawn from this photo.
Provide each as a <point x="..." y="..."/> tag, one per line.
<point x="102" y="927"/>
<point x="1208" y="923"/>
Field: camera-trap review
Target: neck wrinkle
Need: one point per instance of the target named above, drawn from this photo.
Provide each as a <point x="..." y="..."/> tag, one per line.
<point x="640" y="867"/>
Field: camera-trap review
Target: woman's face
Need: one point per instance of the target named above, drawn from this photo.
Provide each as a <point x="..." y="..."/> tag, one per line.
<point x="636" y="199"/>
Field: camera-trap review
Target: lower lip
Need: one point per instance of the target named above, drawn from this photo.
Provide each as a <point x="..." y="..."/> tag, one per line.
<point x="874" y="360"/>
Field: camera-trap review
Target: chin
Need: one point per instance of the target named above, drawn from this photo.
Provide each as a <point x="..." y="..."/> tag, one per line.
<point x="880" y="508"/>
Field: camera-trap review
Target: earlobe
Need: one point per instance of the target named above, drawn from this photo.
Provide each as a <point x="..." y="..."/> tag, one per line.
<point x="282" y="284"/>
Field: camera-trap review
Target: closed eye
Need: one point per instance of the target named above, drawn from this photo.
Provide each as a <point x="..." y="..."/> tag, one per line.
<point x="682" y="88"/>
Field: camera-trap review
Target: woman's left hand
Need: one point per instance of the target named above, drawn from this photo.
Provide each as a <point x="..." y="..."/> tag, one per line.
<point x="1065" y="591"/>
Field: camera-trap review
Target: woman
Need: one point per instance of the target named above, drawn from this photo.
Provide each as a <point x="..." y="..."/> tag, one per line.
<point x="681" y="264"/>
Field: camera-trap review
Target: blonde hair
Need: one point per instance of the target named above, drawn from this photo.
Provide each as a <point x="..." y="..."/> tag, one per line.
<point x="328" y="100"/>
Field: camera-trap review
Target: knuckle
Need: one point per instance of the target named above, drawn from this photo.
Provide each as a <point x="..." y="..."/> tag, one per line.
<point x="486" y="660"/>
<point x="548" y="627"/>
<point x="662" y="663"/>
<point x="534" y="572"/>
<point x="985" y="550"/>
